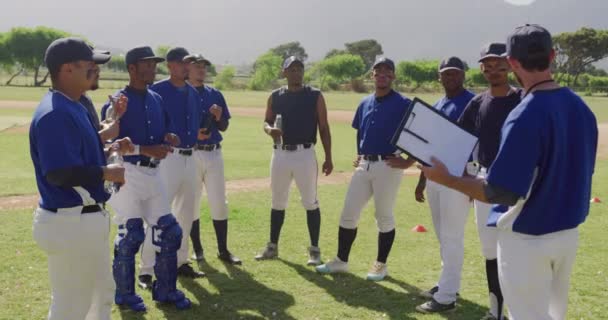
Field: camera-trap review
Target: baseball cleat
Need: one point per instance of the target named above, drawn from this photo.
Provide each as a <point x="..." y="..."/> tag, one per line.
<point x="229" y="258"/>
<point x="377" y="272"/>
<point x="145" y="281"/>
<point x="334" y="266"/>
<point x="314" y="256"/>
<point x="270" y="252"/>
<point x="432" y="306"/>
<point x="186" y="270"/>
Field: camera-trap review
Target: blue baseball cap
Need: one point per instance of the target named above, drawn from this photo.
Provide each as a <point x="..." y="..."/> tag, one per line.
<point x="177" y="54"/>
<point x="451" y="63"/>
<point x="67" y="50"/>
<point x="384" y="61"/>
<point x="141" y="53"/>
<point x="291" y="60"/>
<point x="493" y="50"/>
<point x="528" y="40"/>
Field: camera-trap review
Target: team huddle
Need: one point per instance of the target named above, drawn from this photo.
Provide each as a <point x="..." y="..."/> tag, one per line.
<point x="168" y="135"/>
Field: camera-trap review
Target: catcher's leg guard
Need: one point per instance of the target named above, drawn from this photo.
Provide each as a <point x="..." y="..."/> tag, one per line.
<point x="128" y="240"/>
<point x="167" y="237"/>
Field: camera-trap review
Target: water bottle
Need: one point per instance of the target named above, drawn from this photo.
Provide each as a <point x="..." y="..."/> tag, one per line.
<point x="278" y="124"/>
<point x="114" y="158"/>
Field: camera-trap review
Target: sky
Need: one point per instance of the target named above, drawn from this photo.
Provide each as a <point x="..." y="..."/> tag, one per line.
<point x="237" y="31"/>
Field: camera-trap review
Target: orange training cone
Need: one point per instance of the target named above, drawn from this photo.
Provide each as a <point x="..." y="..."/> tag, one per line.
<point x="419" y="228"/>
<point x="596" y="200"/>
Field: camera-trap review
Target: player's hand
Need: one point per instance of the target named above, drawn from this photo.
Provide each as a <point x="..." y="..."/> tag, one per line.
<point x="356" y="161"/>
<point x="172" y="139"/>
<point x="124" y="145"/>
<point x="437" y="172"/>
<point x="398" y="162"/>
<point x="328" y="167"/>
<point x="110" y="130"/>
<point x="203" y="134"/>
<point x="216" y="111"/>
<point x="275" y="133"/>
<point x="119" y="105"/>
<point x="419" y="192"/>
<point x="158" y="151"/>
<point x="114" y="173"/>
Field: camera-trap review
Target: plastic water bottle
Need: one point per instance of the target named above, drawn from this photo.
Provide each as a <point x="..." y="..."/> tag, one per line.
<point x="114" y="158"/>
<point x="278" y="124"/>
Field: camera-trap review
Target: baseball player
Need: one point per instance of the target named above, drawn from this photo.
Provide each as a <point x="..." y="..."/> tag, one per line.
<point x="485" y="116"/>
<point x="179" y="173"/>
<point x="210" y="162"/>
<point x="449" y="208"/>
<point x="539" y="208"/>
<point x="70" y="224"/>
<point x="302" y="110"/>
<point x="377" y="172"/>
<point x="144" y="197"/>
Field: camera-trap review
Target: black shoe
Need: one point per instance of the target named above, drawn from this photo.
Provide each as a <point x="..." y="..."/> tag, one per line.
<point x="227" y="257"/>
<point x="185" y="270"/>
<point x="432" y="306"/>
<point x="145" y="281"/>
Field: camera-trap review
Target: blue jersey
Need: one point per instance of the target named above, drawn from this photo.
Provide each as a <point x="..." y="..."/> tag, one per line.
<point x="183" y="105"/>
<point x="145" y="122"/>
<point x="211" y="96"/>
<point x="62" y="136"/>
<point x="453" y="107"/>
<point x="376" y="121"/>
<point x="547" y="157"/>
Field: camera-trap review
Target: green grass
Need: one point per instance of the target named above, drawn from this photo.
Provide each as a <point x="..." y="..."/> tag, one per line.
<point x="287" y="289"/>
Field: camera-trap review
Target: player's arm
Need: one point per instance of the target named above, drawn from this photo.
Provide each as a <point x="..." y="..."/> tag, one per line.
<point x="419" y="192"/>
<point x="223" y="122"/>
<point x="269" y="121"/>
<point x="325" y="134"/>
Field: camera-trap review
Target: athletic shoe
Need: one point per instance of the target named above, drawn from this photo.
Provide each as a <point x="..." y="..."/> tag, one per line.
<point x="229" y="258"/>
<point x="432" y="306"/>
<point x="314" y="256"/>
<point x="377" y="272"/>
<point x="334" y="266"/>
<point x="145" y="281"/>
<point x="186" y="270"/>
<point x="271" y="251"/>
<point x="490" y="316"/>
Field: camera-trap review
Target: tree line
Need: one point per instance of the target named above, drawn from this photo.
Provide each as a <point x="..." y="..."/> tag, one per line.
<point x="22" y="51"/>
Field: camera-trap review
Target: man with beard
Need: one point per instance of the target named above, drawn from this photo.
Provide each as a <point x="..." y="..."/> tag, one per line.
<point x="540" y="179"/>
<point x="449" y="208"/>
<point x="144" y="197"/>
<point x="378" y="173"/>
<point x="70" y="224"/>
<point x="485" y="116"/>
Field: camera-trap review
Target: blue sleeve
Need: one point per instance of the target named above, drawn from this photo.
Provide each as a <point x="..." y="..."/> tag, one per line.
<point x="225" y="113"/>
<point x="357" y="119"/>
<point x="58" y="142"/>
<point x="519" y="153"/>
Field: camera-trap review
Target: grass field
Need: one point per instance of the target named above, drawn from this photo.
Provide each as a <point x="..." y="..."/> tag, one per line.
<point x="286" y="288"/>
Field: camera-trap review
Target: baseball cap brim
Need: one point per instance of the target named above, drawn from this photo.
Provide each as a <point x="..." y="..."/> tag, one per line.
<point x="290" y="63"/>
<point x="449" y="68"/>
<point x="487" y="56"/>
<point x="156" y="59"/>
<point x="101" y="57"/>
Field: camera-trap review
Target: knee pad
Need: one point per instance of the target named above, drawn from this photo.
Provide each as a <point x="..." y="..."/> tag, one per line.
<point x="167" y="234"/>
<point x="130" y="237"/>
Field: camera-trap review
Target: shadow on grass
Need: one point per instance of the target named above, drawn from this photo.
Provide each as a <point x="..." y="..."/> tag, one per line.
<point x="360" y="293"/>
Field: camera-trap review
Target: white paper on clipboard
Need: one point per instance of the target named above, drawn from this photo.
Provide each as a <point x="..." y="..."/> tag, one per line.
<point x="425" y="132"/>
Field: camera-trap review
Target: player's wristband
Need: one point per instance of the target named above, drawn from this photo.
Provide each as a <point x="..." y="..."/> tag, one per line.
<point x="135" y="151"/>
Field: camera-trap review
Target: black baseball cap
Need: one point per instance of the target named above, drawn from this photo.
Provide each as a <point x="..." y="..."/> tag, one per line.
<point x="451" y="63"/>
<point x="141" y="53"/>
<point x="529" y="40"/>
<point x="196" y="58"/>
<point x="67" y="50"/>
<point x="291" y="60"/>
<point x="385" y="61"/>
<point x="493" y="50"/>
<point x="177" y="54"/>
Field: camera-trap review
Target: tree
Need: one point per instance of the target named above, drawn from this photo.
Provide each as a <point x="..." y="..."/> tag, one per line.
<point x="341" y="68"/>
<point x="290" y="49"/>
<point x="7" y="64"/>
<point x="266" y="71"/>
<point x="417" y="73"/>
<point x="223" y="80"/>
<point x="117" y="63"/>
<point x="367" y="49"/>
<point x="161" y="51"/>
<point x="334" y="52"/>
<point x="27" y="47"/>
<point x="577" y="50"/>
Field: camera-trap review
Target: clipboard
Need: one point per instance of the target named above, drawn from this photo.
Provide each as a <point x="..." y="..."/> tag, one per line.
<point x="425" y="132"/>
